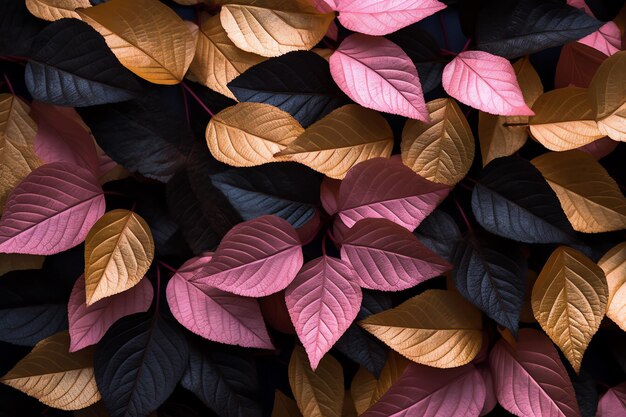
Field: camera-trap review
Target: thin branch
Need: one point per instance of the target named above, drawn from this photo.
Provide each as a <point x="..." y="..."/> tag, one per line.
<point x="6" y="79"/>
<point x="200" y="102"/>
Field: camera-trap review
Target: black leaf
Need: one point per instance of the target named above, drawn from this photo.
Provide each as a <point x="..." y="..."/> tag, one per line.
<point x="18" y="28"/>
<point x="439" y="233"/>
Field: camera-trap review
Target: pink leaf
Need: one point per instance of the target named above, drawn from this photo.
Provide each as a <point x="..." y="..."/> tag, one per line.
<point x="432" y="392"/>
<point x="323" y="301"/>
<point x="381" y="17"/>
<point x="532" y="381"/>
<point x="255" y="258"/>
<point x="310" y="229"/>
<point x="333" y="31"/>
<point x="214" y="314"/>
<point x="384" y="188"/>
<point x="580" y="4"/>
<point x="613" y="402"/>
<point x="329" y="193"/>
<point x="607" y="39"/>
<point x="490" y="394"/>
<point x="577" y="65"/>
<point x="378" y="74"/>
<point x="89" y="323"/>
<point x="387" y="257"/>
<point x="486" y="82"/>
<point x="51" y="211"/>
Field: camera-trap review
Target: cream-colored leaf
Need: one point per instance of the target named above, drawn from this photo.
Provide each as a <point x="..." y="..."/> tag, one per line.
<point x="437" y="328"/>
<point x="318" y="393"/>
<point x="393" y="369"/>
<point x="249" y="134"/>
<point x="343" y="138"/>
<point x="146" y="36"/>
<point x="442" y="150"/>
<point x="118" y="252"/>
<point x="55" y="9"/>
<point x="362" y="389"/>
<point x="274" y="27"/>
<point x="613" y="263"/>
<point x="590" y="198"/>
<point x="284" y="406"/>
<point x="18" y="262"/>
<point x="607" y="92"/>
<point x="55" y="376"/>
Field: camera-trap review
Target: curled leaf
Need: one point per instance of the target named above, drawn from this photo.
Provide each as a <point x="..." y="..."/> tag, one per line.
<point x="55" y="9"/>
<point x="608" y="96"/>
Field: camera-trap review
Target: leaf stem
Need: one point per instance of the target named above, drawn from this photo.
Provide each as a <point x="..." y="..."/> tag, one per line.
<point x="467" y="44"/>
<point x="167" y="266"/>
<point x="467" y="223"/>
<point x="186" y="106"/>
<point x="514" y="124"/>
<point x="200" y="102"/>
<point x="6" y="79"/>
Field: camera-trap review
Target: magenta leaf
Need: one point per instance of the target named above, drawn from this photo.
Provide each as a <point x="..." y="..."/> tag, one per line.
<point x="51" y="211"/>
<point x="384" y="188"/>
<point x="532" y="381"/>
<point x="377" y="74"/>
<point x="214" y="314"/>
<point x="613" y="402"/>
<point x="486" y="82"/>
<point x="490" y="393"/>
<point x="89" y="323"/>
<point x="255" y="258"/>
<point x="387" y="257"/>
<point x="607" y="39"/>
<point x="323" y="301"/>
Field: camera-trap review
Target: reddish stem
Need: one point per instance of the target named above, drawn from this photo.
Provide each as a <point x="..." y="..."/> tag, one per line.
<point x="6" y="79"/>
<point x="190" y="91"/>
<point x="166" y="266"/>
<point x="447" y="52"/>
<point x="186" y="106"/>
<point x="467" y="223"/>
<point x="467" y="44"/>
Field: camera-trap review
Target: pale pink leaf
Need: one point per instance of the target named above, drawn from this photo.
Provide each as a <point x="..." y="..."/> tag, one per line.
<point x="580" y="4"/>
<point x="255" y="258"/>
<point x="51" y="211"/>
<point x="89" y="323"/>
<point x="387" y="257"/>
<point x="607" y="39"/>
<point x="214" y="314"/>
<point x="385" y="188"/>
<point x="532" y="381"/>
<point x="377" y="74"/>
<point x="432" y="392"/>
<point x="329" y="193"/>
<point x="323" y="301"/>
<point x="381" y="17"/>
<point x="490" y="393"/>
<point x="613" y="402"/>
<point x="486" y="82"/>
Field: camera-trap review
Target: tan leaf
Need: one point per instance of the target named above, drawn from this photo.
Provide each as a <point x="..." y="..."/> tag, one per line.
<point x="613" y="263"/>
<point x="284" y="406"/>
<point x="569" y="301"/>
<point x="362" y="389"/>
<point x="442" y="150"/>
<point x="590" y="198"/>
<point x="323" y="52"/>
<point x="249" y="134"/>
<point x="55" y="9"/>
<point x="146" y="36"/>
<point x="118" y="252"/>
<point x="274" y="27"/>
<point x="343" y="138"/>
<point x="18" y="262"/>
<point x="319" y="393"/>
<point x="437" y="328"/>
<point x="217" y="60"/>
<point x="608" y="96"/>
<point x="393" y="369"/>
<point x="348" y="406"/>
<point x="55" y="376"/>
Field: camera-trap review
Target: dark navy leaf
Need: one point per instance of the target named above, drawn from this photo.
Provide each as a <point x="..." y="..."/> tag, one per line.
<point x="439" y="233"/>
<point x="18" y="28"/>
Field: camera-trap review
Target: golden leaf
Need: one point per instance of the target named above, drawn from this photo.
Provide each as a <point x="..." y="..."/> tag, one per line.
<point x="284" y="406"/>
<point x="569" y="301"/>
<point x="318" y="393"/>
<point x="442" y="150"/>
<point x="274" y="27"/>
<point x="589" y="197"/>
<point x="362" y="389"/>
<point x="18" y="262"/>
<point x="55" y="376"/>
<point x="146" y="36"/>
<point x="217" y="60"/>
<point x="55" y="9"/>
<point x="393" y="369"/>
<point x="249" y="134"/>
<point x="613" y="263"/>
<point x="348" y="406"/>
<point x="437" y="328"/>
<point x="564" y="120"/>
<point x="343" y="138"/>
<point x="118" y="252"/>
<point x="607" y="91"/>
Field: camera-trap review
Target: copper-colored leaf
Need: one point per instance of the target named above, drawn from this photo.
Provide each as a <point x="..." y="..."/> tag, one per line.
<point x="349" y="409"/>
<point x="362" y="389"/>
<point x="284" y="406"/>
<point x="442" y="150"/>
<point x="590" y="198"/>
<point x="613" y="263"/>
<point x="436" y="328"/>
<point x="569" y="300"/>
<point x="146" y="36"/>
<point x="118" y="252"/>
<point x="393" y="369"/>
<point x="345" y="137"/>
<point x="55" y="9"/>
<point x="608" y="96"/>
<point x="18" y="262"/>
<point x="56" y="377"/>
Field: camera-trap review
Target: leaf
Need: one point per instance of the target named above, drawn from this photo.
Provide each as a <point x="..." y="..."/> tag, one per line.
<point x="323" y="300"/>
<point x="88" y="323"/>
<point x="600" y="148"/>
<point x="512" y="28"/>
<point x="18" y="28"/>
<point x="613" y="402"/>
<point x="607" y="39"/>
<point x="54" y="376"/>
<point x="377" y="74"/>
<point x="486" y="82"/>
<point x="13" y="262"/>
<point x="55" y="9"/>
<point x="298" y="83"/>
<point x="577" y="65"/>
<point x="442" y="150"/>
<point x="590" y="198"/>
<point x="138" y="364"/>
<point x="569" y="300"/>
<point x="249" y="134"/>
<point x="329" y="194"/>
<point x="531" y="381"/>
<point x="319" y="393"/>
<point x="51" y="211"/>
<point x="72" y="66"/>
<point x="284" y="406"/>
<point x="613" y="263"/>
<point x="436" y="328"/>
<point x="383" y="188"/>
<point x="362" y="389"/>
<point x="512" y="200"/>
<point x="608" y="97"/>
<point x="273" y="28"/>
<point x="439" y="233"/>
<point x="394" y="368"/>
<point x="334" y="144"/>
